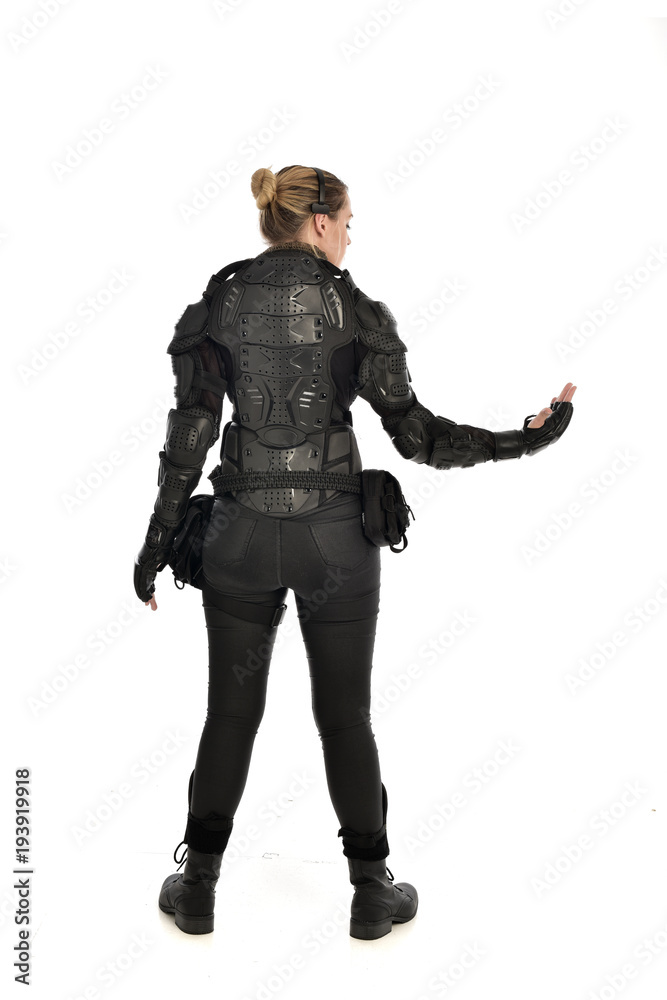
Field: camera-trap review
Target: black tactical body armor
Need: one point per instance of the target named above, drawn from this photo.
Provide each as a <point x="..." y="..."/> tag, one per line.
<point x="280" y="322"/>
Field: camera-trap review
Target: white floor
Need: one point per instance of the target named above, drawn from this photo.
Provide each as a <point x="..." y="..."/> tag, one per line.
<point x="281" y="923"/>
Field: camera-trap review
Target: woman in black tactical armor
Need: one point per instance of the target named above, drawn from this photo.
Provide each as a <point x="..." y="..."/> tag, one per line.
<point x="291" y="341"/>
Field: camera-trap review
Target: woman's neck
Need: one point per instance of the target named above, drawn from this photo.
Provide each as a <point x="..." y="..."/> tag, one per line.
<point x="298" y="245"/>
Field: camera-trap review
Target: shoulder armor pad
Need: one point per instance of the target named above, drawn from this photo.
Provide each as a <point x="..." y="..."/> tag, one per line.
<point x="378" y="328"/>
<point x="191" y="328"/>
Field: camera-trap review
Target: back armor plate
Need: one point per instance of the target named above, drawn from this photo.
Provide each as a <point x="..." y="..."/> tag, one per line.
<point x="281" y="318"/>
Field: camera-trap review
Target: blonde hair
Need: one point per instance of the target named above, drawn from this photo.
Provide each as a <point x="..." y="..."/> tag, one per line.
<point x="284" y="199"/>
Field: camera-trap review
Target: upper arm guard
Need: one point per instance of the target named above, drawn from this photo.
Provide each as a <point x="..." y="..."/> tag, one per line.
<point x="190" y="352"/>
<point x="384" y="378"/>
<point x="384" y="381"/>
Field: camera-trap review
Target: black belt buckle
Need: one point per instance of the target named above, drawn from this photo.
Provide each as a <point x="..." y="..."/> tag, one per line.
<point x="278" y="615"/>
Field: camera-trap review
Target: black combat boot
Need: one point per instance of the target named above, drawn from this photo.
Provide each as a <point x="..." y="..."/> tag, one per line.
<point x="190" y="896"/>
<point x="377" y="902"/>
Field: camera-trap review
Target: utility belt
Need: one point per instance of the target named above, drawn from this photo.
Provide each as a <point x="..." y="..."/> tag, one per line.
<point x="385" y="514"/>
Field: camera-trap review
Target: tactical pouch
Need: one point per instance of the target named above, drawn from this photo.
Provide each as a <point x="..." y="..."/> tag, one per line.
<point x="186" y="559"/>
<point x="384" y="509"/>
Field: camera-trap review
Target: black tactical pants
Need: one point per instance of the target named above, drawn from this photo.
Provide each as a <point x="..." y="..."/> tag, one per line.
<point x="250" y="561"/>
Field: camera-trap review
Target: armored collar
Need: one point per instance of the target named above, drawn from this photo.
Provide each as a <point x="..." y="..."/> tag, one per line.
<point x="297" y="245"/>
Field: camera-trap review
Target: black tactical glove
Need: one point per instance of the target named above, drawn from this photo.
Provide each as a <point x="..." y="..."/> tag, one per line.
<point x="153" y="557"/>
<point x="528" y="440"/>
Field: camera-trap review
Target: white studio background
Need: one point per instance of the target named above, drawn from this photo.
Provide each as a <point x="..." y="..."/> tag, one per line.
<point x="514" y="153"/>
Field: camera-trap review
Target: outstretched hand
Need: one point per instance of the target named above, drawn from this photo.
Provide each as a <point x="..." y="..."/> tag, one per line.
<point x="152" y="602"/>
<point x="544" y="414"/>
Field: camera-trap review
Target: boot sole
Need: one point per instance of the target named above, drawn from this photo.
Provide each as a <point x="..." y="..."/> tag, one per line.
<point x="370" y="930"/>
<point x="188" y="923"/>
<point x="378" y="929"/>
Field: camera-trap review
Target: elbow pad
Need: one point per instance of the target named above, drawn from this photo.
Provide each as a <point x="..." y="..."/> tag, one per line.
<point x="409" y="433"/>
<point x="454" y="447"/>
<point x="436" y="441"/>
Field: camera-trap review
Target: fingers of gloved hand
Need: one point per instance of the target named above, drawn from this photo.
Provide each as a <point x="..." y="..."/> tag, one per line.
<point x="565" y="396"/>
<point x="144" y="579"/>
<point x="541" y="436"/>
<point x="562" y="415"/>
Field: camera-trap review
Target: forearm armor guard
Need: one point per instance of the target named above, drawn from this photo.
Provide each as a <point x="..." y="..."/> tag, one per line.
<point x="190" y="433"/>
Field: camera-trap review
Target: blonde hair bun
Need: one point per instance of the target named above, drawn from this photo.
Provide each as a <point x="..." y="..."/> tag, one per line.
<point x="263" y="185"/>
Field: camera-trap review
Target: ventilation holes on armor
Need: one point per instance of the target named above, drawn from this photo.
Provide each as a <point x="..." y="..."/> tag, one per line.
<point x="386" y="312"/>
<point x="183" y="438"/>
<point x="378" y="340"/>
<point x="407" y="446"/>
<point x="185" y="342"/>
<point x="397" y="363"/>
<point x="169" y="506"/>
<point x="174" y="482"/>
<point x="421" y="413"/>
<point x="199" y="411"/>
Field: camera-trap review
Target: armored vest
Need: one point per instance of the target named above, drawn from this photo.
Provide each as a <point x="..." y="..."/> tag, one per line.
<point x="281" y="317"/>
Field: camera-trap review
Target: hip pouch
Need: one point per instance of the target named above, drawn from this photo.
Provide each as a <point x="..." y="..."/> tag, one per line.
<point x="385" y="512"/>
<point x="186" y="559"/>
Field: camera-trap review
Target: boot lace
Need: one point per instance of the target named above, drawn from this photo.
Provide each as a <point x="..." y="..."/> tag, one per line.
<point x="183" y="859"/>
